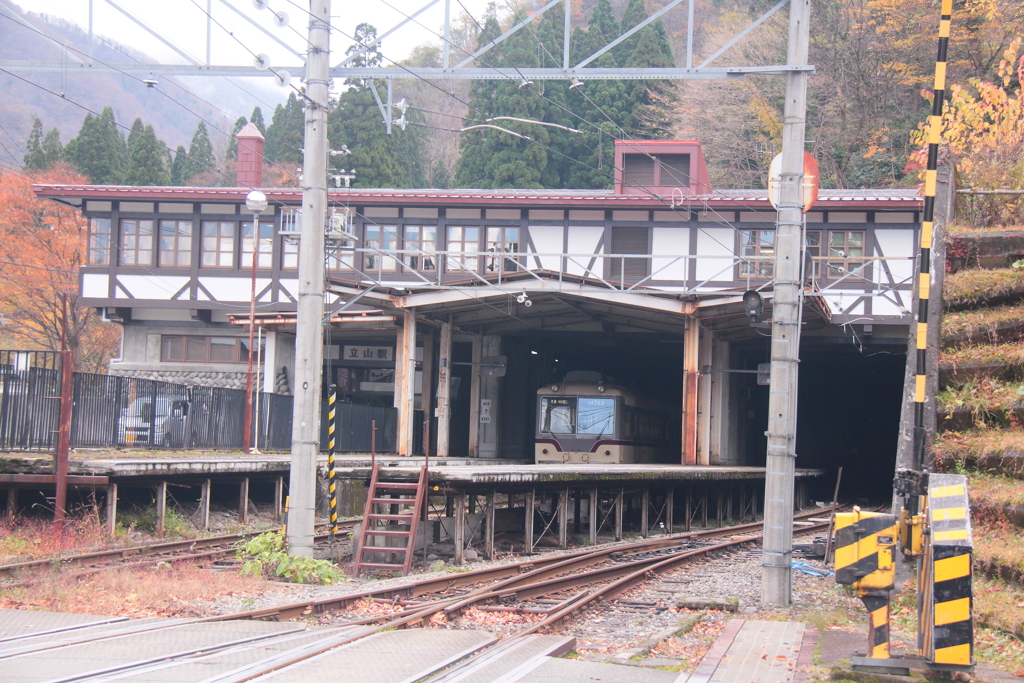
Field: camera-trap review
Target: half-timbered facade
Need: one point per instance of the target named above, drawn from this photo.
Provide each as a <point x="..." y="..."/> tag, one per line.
<point x="661" y="259"/>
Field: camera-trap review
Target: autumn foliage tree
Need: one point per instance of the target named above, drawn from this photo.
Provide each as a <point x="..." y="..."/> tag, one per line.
<point x="42" y="243"/>
<point x="983" y="128"/>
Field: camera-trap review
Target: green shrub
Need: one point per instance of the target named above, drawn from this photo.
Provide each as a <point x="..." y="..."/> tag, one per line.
<point x="265" y="555"/>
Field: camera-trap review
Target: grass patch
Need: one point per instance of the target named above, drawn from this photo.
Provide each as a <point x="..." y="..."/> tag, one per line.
<point x="999" y="543"/>
<point x="990" y="490"/>
<point x="972" y="287"/>
<point x="967" y="227"/>
<point x="34" y="539"/>
<point x="985" y="398"/>
<point x="164" y="591"/>
<point x="999" y="605"/>
<point x="980" y="322"/>
<point x="977" y="443"/>
<point x="1009" y="354"/>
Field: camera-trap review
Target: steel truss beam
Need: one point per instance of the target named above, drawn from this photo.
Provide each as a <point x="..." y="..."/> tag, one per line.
<point x="446" y="72"/>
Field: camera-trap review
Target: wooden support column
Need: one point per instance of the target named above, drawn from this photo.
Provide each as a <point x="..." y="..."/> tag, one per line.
<point x="719" y="444"/>
<point x="444" y="374"/>
<point x="691" y="355"/>
<point x="161" y="507"/>
<point x="645" y="517"/>
<point x="111" y="509"/>
<point x="243" y="501"/>
<point x="619" y="497"/>
<point x="528" y="527"/>
<point x="12" y="505"/>
<point x="592" y="514"/>
<point x="204" y="504"/>
<point x="474" y="398"/>
<point x="460" y="527"/>
<point x="670" y="496"/>
<point x="427" y="387"/>
<point x="489" y="524"/>
<point x="278" y="497"/>
<point x="405" y="392"/>
<point x="563" y="518"/>
<point x="705" y="384"/>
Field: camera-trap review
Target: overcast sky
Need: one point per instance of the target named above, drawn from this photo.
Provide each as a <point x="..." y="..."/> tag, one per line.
<point x="184" y="23"/>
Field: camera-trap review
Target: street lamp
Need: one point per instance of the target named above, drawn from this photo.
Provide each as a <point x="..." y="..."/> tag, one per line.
<point x="256" y="202"/>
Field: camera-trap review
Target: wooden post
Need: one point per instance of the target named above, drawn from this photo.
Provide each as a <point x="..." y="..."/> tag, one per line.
<point x="474" y="398"/>
<point x="563" y="518"/>
<point x="691" y="359"/>
<point x="489" y="523"/>
<point x="528" y="528"/>
<point x="405" y="390"/>
<point x="278" y="497"/>
<point x="645" y="520"/>
<point x="111" y="509"/>
<point x="460" y="527"/>
<point x="444" y="374"/>
<point x="12" y="504"/>
<point x="204" y="504"/>
<point x="618" y="515"/>
<point x="243" y="501"/>
<point x="592" y="513"/>
<point x="427" y="388"/>
<point x="670" y="496"/>
<point x="161" y="507"/>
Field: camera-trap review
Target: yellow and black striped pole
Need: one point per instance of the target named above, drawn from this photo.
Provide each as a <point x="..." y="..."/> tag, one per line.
<point x="927" y="231"/>
<point x="332" y="425"/>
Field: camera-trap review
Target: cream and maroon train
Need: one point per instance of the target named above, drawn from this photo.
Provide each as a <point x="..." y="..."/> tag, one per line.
<point x="584" y="420"/>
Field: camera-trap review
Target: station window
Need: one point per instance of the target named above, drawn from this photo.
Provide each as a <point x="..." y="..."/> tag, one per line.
<point x="99" y="241"/>
<point x="462" y="241"/>
<point x="136" y="243"/>
<point x="266" y="245"/>
<point x="380" y="240"/>
<point x="185" y="349"/>
<point x="421" y="245"/>
<point x="291" y="221"/>
<point x="175" y="243"/>
<point x="504" y="241"/>
<point x="757" y="247"/>
<point x="218" y="249"/>
<point x="845" y="252"/>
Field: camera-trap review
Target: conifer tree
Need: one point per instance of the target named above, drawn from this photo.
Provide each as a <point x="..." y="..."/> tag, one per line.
<point x="232" y="151"/>
<point x="33" y="159"/>
<point x="257" y="120"/>
<point x="148" y="163"/>
<point x="178" y="166"/>
<point x="200" y="154"/>
<point x="379" y="159"/>
<point x="133" y="136"/>
<point x="285" y="133"/>
<point x="53" y="151"/>
<point x="99" y="149"/>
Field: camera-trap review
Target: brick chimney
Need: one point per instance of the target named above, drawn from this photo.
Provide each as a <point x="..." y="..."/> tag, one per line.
<point x="249" y="169"/>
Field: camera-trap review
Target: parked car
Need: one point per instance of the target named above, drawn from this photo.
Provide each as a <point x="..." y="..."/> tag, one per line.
<point x="168" y="422"/>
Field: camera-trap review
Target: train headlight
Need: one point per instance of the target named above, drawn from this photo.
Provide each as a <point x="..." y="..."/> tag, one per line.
<point x="600" y="388"/>
<point x="554" y="387"/>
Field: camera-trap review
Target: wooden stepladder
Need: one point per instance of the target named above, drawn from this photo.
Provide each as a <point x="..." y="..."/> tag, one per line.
<point x="390" y="505"/>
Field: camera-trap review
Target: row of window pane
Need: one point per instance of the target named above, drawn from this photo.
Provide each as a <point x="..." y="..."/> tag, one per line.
<point x="185" y="349"/>
<point x="845" y="252"/>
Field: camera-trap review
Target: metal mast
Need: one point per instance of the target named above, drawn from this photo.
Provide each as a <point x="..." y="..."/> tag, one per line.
<point x="309" y="350"/>
<point x="777" y="572"/>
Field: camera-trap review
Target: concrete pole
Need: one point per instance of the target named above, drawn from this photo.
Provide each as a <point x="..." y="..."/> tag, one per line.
<point x="474" y="398"/>
<point x="444" y="375"/>
<point x="776" y="562"/>
<point x="309" y="350"/>
<point x="111" y="509"/>
<point x="407" y="399"/>
<point x="204" y="504"/>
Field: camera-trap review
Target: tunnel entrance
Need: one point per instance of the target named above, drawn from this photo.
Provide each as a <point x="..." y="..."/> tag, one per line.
<point x="848" y="415"/>
<point x="650" y="364"/>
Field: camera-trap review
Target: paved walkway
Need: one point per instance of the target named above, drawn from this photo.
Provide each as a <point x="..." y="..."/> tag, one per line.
<point x="751" y="651"/>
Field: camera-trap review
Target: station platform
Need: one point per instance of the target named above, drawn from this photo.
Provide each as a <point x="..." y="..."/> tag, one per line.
<point x="41" y="647"/>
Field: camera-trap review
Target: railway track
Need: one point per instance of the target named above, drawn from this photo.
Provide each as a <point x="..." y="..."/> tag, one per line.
<point x="211" y="548"/>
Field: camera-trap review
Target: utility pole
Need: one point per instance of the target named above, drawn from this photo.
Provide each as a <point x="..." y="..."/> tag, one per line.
<point x="776" y="562"/>
<point x="309" y="350"/>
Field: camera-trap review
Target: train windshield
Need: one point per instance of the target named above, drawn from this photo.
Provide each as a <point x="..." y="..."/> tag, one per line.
<point x="578" y="415"/>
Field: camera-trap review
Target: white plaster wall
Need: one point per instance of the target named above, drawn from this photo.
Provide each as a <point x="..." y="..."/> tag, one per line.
<point x="547" y="239"/>
<point x="583" y="239"/>
<point x="672" y="242"/>
<point x="715" y="242"/>
<point x="150" y="286"/>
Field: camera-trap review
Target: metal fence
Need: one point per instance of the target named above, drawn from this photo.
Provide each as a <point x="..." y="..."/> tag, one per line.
<point x="129" y="412"/>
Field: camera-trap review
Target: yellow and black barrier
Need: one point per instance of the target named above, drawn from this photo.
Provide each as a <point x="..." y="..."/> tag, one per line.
<point x="332" y="424"/>
<point x="865" y="543"/>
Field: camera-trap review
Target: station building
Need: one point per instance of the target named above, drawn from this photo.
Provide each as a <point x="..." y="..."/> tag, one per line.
<point x="642" y="284"/>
